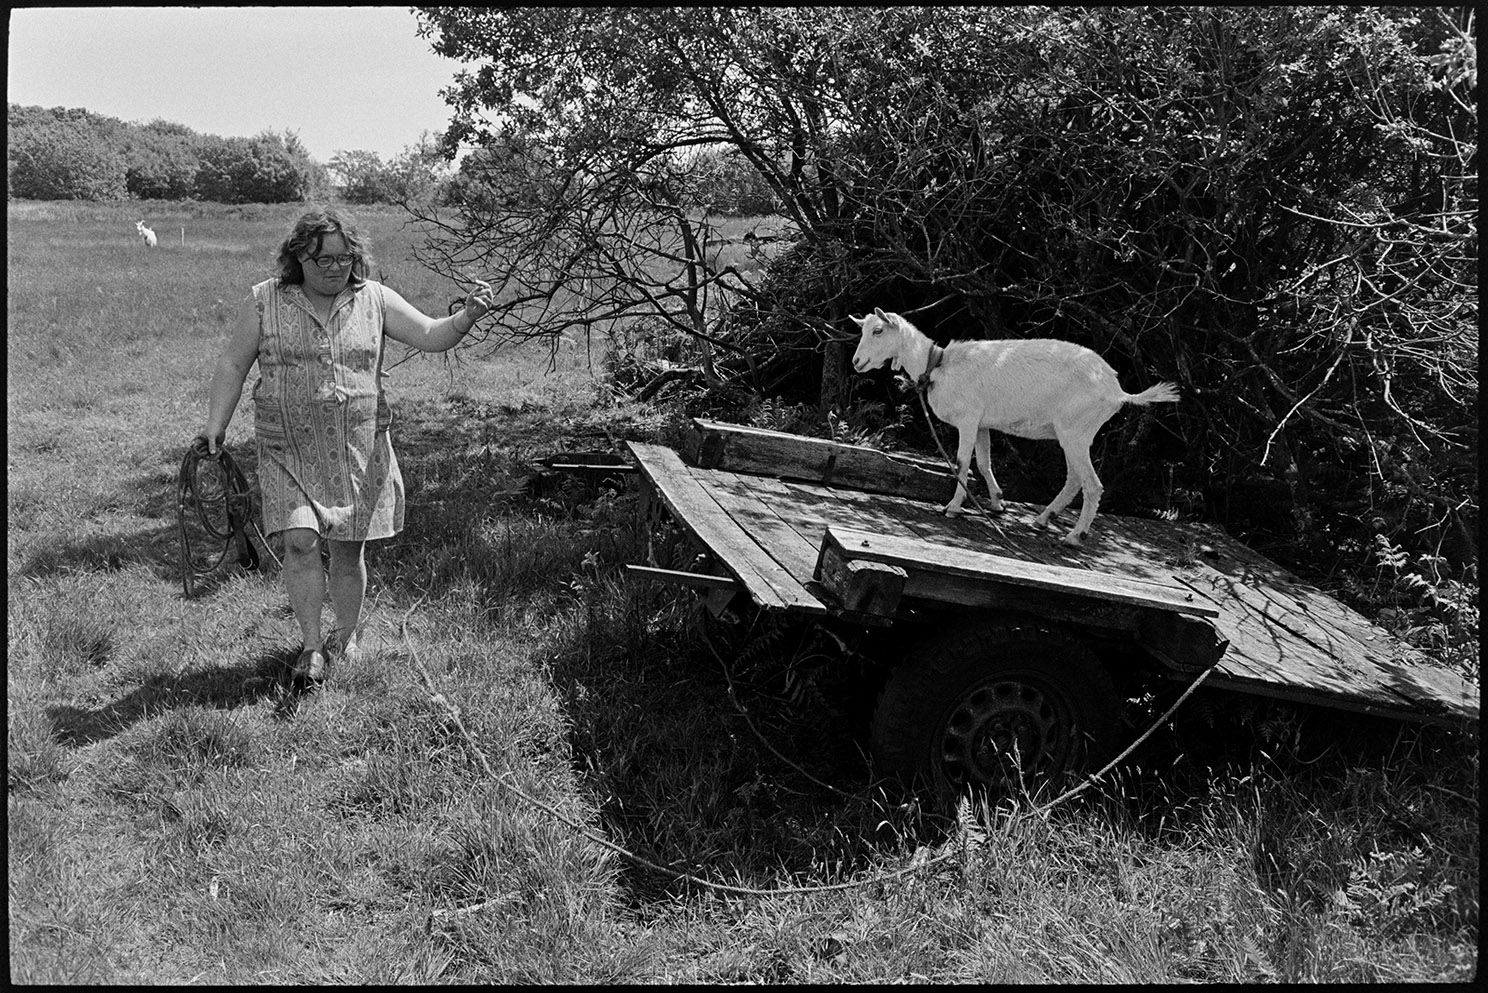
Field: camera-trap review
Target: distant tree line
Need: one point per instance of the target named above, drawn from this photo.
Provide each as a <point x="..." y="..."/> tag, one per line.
<point x="73" y="154"/>
<point x="723" y="184"/>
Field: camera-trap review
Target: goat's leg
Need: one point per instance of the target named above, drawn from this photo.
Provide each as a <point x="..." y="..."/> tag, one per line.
<point x="984" y="463"/>
<point x="1063" y="499"/>
<point x="1090" y="492"/>
<point x="964" y="445"/>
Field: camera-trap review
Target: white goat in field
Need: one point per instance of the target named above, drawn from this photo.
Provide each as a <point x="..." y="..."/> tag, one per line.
<point x="145" y="233"/>
<point x="1039" y="388"/>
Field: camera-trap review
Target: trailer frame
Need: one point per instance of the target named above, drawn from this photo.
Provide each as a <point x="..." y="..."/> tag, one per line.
<point x="824" y="529"/>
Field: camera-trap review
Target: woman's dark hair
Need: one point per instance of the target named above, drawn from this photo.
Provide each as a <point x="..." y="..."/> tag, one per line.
<point x="307" y="235"/>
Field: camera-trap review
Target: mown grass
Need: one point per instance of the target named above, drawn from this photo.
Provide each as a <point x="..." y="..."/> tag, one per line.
<point x="175" y="816"/>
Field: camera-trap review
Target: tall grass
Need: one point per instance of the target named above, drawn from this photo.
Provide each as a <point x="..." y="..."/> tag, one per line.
<point x="175" y="816"/>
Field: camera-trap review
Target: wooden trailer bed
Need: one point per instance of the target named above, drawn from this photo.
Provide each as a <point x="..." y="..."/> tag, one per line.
<point x="820" y="528"/>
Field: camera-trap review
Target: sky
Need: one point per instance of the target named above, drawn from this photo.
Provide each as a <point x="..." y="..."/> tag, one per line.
<point x="237" y="71"/>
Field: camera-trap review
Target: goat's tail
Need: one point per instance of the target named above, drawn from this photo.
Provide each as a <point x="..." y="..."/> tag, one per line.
<point x="1161" y="393"/>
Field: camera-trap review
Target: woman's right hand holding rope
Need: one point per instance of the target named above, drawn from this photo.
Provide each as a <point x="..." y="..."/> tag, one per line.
<point x="211" y="440"/>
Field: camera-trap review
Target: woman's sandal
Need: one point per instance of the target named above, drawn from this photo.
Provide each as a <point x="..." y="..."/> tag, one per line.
<point x="342" y="648"/>
<point x="312" y="666"/>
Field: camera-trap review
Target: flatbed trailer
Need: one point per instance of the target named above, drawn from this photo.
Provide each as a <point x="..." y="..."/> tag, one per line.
<point x="1028" y="625"/>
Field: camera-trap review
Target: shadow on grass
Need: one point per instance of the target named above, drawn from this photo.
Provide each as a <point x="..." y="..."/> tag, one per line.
<point x="686" y="781"/>
<point x="221" y="688"/>
<point x="683" y="778"/>
<point x="156" y="544"/>
<point x="157" y="549"/>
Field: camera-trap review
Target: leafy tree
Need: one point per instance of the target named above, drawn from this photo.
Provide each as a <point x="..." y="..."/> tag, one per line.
<point x="586" y="197"/>
<point x="419" y="173"/>
<point x="169" y="129"/>
<point x="64" y="158"/>
<point x="729" y="185"/>
<point x="415" y="175"/>
<point x="161" y="165"/>
<point x="364" y="178"/>
<point x="269" y="168"/>
<point x="1273" y="206"/>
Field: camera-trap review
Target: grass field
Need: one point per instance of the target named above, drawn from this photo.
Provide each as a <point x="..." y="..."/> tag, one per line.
<point x="174" y="817"/>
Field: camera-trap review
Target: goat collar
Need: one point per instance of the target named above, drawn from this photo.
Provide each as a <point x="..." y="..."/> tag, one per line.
<point x="933" y="359"/>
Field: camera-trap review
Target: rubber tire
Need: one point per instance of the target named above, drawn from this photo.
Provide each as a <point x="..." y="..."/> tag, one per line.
<point x="1005" y="679"/>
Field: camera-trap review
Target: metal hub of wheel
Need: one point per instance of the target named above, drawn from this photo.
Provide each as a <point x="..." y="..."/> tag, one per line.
<point x="1003" y="733"/>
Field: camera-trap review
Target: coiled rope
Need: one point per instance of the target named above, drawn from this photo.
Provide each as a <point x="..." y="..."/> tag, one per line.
<point x="214" y="491"/>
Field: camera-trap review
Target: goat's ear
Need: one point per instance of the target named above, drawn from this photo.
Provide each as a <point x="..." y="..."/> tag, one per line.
<point x="878" y="313"/>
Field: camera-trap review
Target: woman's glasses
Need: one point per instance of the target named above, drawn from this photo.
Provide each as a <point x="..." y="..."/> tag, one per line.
<point x="334" y="261"/>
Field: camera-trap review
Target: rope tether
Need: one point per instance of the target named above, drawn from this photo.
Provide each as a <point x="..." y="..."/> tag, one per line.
<point x="480" y="756"/>
<point x="922" y="389"/>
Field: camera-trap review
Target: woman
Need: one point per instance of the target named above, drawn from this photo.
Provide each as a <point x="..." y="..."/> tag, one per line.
<point x="326" y="466"/>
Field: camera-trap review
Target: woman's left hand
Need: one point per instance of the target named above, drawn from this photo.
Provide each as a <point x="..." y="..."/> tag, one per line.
<point x="480" y="301"/>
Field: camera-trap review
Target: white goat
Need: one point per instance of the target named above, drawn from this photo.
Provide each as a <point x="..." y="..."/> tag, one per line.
<point x="145" y="233"/>
<point x="1039" y="388"/>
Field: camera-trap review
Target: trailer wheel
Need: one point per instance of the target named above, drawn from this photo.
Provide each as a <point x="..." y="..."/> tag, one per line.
<point x="993" y="705"/>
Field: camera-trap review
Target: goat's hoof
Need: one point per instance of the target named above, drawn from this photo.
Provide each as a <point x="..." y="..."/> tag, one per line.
<point x="953" y="511"/>
<point x="1072" y="540"/>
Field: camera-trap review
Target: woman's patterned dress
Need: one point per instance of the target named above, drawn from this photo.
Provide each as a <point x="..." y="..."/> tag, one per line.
<point x="325" y="460"/>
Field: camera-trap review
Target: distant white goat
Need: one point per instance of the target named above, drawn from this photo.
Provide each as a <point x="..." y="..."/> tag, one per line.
<point x="1039" y="388"/>
<point x="145" y="233"/>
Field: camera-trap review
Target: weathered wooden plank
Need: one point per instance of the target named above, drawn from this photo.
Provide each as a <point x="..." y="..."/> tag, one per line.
<point x="1407" y="691"/>
<point x="1140" y="548"/>
<point x="1240" y="660"/>
<point x="1281" y="630"/>
<point x="812" y="508"/>
<point x="1321" y="647"/>
<point x="809" y="508"/>
<point x="1291" y="645"/>
<point x="1318" y="608"/>
<point x="822" y="506"/>
<point x="1264" y="650"/>
<point x="1267" y="649"/>
<point x="781" y="520"/>
<point x="697" y="580"/>
<point x="1398" y="667"/>
<point x="918" y="556"/>
<point x="737" y="448"/>
<point x="1352" y="702"/>
<point x="1012" y="532"/>
<point x="581" y="469"/>
<point x="893" y="514"/>
<point x="870" y="589"/>
<point x="1434" y="689"/>
<point x="768" y="582"/>
<point x="759" y="515"/>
